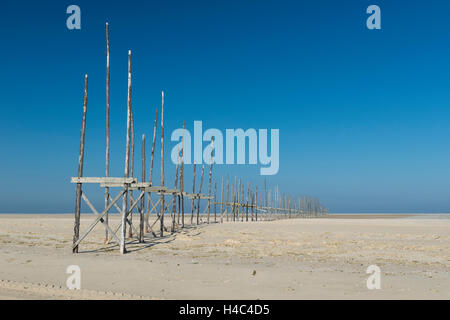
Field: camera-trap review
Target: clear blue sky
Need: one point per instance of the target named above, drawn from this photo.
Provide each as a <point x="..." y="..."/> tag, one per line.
<point x="363" y="114"/>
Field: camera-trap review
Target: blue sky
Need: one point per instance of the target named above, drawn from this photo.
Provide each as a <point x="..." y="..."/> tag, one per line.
<point x="363" y="114"/>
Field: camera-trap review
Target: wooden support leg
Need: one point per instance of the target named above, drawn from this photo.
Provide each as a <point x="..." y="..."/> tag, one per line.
<point x="76" y="228"/>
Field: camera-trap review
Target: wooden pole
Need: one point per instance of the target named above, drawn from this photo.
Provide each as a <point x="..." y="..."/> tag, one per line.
<point x="256" y="202"/>
<point x="107" y="132"/>
<point x="174" y="200"/>
<point x="234" y="198"/>
<point x="153" y="146"/>
<point x="127" y="163"/>
<point x="182" y="178"/>
<point x="215" y="199"/>
<point x="141" y="211"/>
<point x="253" y="206"/>
<point x="289" y="206"/>
<point x="221" y="202"/>
<point x="270" y="203"/>
<point x="246" y="205"/>
<point x="242" y="201"/>
<point x="200" y="191"/>
<point x="76" y="228"/>
<point x="228" y="189"/>
<point x="151" y="167"/>
<point x="210" y="177"/>
<point x="193" y="199"/>
<point x="161" y="219"/>
<point x="239" y="199"/>
<point x="130" y="230"/>
<point x="266" y="203"/>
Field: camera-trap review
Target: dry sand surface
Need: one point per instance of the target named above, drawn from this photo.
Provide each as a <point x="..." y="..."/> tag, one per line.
<point x="322" y="258"/>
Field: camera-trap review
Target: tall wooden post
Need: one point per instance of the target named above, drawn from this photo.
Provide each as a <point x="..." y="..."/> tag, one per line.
<point x="153" y="146"/>
<point x="193" y="199"/>
<point x="266" y="203"/>
<point x="239" y="199"/>
<point x="215" y="200"/>
<point x="221" y="203"/>
<point x="182" y="178"/>
<point x="270" y="203"/>
<point x="256" y="203"/>
<point x="246" y="205"/>
<point x="210" y="177"/>
<point x="76" y="228"/>
<point x="228" y="189"/>
<point x="253" y="206"/>
<point x="243" y="199"/>
<point x="234" y="198"/>
<point x="151" y="167"/>
<point x="161" y="218"/>
<point x="233" y="195"/>
<point x="130" y="229"/>
<point x="127" y="163"/>
<point x="141" y="211"/>
<point x="107" y="133"/>
<point x="200" y="191"/>
<point x="174" y="199"/>
<point x="289" y="206"/>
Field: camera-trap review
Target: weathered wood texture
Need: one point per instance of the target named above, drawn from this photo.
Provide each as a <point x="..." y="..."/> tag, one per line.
<point x="107" y="130"/>
<point x="161" y="219"/>
<point x="76" y="230"/>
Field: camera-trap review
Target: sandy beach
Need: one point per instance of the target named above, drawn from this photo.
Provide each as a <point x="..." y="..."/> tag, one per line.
<point x="322" y="258"/>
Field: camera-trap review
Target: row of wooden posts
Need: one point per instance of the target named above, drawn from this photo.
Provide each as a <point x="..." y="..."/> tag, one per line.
<point x="241" y="204"/>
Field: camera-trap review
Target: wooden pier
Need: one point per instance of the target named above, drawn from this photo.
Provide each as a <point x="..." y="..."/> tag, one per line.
<point x="244" y="205"/>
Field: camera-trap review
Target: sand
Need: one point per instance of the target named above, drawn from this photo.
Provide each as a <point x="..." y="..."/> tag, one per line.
<point x="322" y="258"/>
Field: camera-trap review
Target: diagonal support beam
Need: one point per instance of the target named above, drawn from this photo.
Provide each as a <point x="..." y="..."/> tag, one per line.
<point x="100" y="216"/>
<point x="85" y="198"/>
<point x="131" y="208"/>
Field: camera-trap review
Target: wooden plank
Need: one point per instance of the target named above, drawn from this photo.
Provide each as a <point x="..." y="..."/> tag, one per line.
<point x="104" y="180"/>
<point x="171" y="191"/>
<point x="156" y="189"/>
<point x="140" y="185"/>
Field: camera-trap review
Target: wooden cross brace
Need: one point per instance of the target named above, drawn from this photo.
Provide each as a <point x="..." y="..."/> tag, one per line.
<point x="99" y="216"/>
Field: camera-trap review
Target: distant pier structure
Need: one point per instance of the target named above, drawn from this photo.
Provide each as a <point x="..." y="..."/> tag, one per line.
<point x="238" y="204"/>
